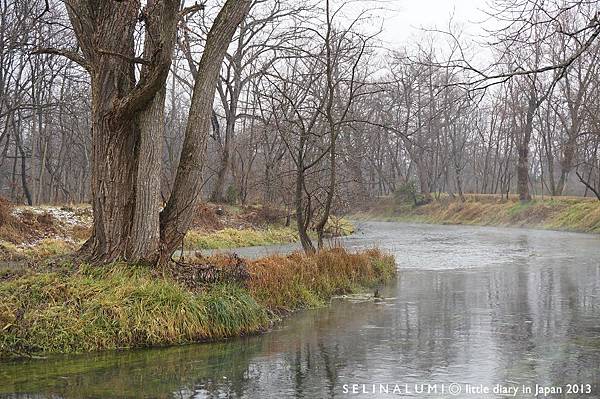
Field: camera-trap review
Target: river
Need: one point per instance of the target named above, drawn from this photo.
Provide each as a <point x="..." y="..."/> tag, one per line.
<point x="477" y="307"/>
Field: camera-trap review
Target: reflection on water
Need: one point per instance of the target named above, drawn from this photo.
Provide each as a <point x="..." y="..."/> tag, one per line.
<point x="471" y="305"/>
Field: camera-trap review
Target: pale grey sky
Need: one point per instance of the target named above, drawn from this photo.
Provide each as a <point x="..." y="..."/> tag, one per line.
<point x="407" y="17"/>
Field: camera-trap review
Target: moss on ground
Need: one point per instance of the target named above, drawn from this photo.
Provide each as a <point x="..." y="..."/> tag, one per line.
<point x="70" y="310"/>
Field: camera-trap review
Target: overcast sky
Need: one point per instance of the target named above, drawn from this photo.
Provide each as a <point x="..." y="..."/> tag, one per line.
<point x="409" y="16"/>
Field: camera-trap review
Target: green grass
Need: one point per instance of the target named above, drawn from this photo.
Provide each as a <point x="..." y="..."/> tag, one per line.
<point x="231" y="238"/>
<point x="274" y="234"/>
<point x="121" y="307"/>
<point x="67" y="310"/>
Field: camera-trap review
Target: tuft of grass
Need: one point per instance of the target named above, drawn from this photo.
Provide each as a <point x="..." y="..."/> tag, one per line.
<point x="10" y="252"/>
<point x="339" y="226"/>
<point x="49" y="247"/>
<point x="249" y="237"/>
<point x="296" y="281"/>
<point x="45" y="248"/>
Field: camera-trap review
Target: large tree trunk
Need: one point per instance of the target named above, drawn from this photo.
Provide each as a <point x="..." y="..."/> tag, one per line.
<point x="127" y="123"/>
<point x="302" y="213"/>
<point x="423" y="177"/>
<point x="230" y="105"/>
<point x="320" y="227"/>
<point x="113" y="180"/>
<point x="523" y="174"/>
<point x="19" y="145"/>
<point x="145" y="235"/>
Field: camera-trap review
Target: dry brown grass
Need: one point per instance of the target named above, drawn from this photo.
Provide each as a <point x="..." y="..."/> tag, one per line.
<point x="283" y="283"/>
<point x="10" y="228"/>
<point x="81" y="233"/>
<point x="560" y="213"/>
<point x="6" y="216"/>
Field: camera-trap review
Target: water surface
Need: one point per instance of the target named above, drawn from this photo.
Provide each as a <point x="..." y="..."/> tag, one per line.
<point x="472" y="305"/>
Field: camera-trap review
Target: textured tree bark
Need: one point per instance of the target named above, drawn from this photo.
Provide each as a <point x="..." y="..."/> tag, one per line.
<point x="160" y="41"/>
<point x="127" y="123"/>
<point x="145" y="235"/>
<point x="234" y="88"/>
<point x="113" y="180"/>
<point x="320" y="228"/>
<point x="301" y="212"/>
<point x="523" y="175"/>
<point x="217" y="192"/>
<point x="24" y="184"/>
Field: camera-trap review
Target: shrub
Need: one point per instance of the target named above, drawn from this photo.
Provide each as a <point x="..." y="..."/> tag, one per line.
<point x="338" y="227"/>
<point x="407" y="193"/>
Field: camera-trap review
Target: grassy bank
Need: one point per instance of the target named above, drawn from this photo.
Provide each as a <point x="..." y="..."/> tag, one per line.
<point x="265" y="235"/>
<point x="561" y="213"/>
<point x="68" y="310"/>
<point x="33" y="233"/>
<point x="231" y="238"/>
<point x="40" y="250"/>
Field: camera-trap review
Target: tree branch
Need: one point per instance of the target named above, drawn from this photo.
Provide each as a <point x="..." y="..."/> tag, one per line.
<point x="71" y="55"/>
<point x="191" y="9"/>
<point x="135" y="60"/>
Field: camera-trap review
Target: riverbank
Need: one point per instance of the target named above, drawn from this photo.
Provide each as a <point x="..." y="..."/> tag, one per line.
<point x="34" y="233"/>
<point x="574" y="214"/>
<point x="66" y="309"/>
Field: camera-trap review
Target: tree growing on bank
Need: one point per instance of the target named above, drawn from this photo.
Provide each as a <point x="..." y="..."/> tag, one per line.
<point x="317" y="88"/>
<point x="128" y="121"/>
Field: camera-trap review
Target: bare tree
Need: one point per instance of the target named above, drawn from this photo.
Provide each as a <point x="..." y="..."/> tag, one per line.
<point x="127" y="121"/>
